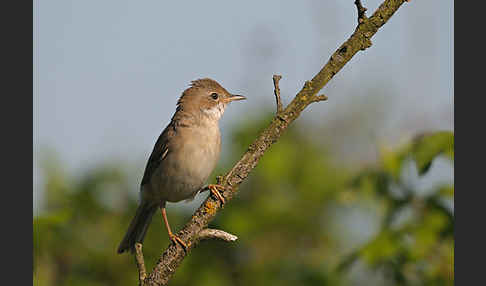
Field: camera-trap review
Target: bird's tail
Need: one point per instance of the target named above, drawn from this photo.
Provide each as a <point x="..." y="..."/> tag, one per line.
<point x="138" y="227"/>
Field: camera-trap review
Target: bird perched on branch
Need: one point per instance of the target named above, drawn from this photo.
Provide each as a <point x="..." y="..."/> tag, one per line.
<point x="183" y="157"/>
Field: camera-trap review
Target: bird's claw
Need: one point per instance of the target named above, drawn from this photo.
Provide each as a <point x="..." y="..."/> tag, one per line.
<point x="214" y="190"/>
<point x="175" y="239"/>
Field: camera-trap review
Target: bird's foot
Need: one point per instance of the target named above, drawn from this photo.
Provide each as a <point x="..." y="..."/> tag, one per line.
<point x="175" y="239"/>
<point x="214" y="190"/>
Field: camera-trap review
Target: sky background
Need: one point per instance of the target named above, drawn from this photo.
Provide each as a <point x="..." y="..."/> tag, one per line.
<point x="107" y="74"/>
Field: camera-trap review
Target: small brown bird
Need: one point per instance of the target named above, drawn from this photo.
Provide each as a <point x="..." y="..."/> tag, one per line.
<point x="183" y="157"/>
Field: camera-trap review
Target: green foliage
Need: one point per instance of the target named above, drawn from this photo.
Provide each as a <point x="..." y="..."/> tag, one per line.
<point x="419" y="249"/>
<point x="291" y="217"/>
<point x="423" y="149"/>
<point x="428" y="146"/>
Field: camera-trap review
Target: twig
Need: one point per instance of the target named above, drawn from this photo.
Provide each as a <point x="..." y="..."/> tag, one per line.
<point x="209" y="233"/>
<point x="318" y="98"/>
<point x="361" y="11"/>
<point x="359" y="40"/>
<point x="276" y="79"/>
<point x="142" y="272"/>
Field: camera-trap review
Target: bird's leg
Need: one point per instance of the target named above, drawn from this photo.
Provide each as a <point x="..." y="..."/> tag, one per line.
<point x="214" y="190"/>
<point x="175" y="239"/>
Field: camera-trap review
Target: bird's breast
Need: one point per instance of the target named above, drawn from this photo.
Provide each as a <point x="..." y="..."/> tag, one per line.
<point x="190" y="161"/>
<point x="200" y="153"/>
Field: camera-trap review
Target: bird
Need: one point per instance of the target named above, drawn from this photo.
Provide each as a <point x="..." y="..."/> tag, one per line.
<point x="184" y="155"/>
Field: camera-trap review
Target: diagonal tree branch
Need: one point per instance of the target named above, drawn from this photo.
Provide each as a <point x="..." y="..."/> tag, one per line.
<point x="359" y="40"/>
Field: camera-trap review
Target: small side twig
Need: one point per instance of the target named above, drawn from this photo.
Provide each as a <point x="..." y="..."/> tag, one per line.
<point x="276" y="79"/>
<point x="142" y="272"/>
<point x="209" y="233"/>
<point x="361" y="11"/>
<point x="317" y="98"/>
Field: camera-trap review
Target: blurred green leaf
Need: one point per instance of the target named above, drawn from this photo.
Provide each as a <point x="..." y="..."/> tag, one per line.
<point x="447" y="191"/>
<point x="382" y="247"/>
<point x="428" y="146"/>
<point x="392" y="161"/>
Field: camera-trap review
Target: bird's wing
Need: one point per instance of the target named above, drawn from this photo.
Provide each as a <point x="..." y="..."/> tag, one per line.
<point x="159" y="152"/>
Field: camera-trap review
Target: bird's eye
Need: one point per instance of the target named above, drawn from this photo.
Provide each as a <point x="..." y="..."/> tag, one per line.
<point x="214" y="95"/>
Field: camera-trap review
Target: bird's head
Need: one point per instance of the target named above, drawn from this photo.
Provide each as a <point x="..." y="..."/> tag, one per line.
<point x="207" y="97"/>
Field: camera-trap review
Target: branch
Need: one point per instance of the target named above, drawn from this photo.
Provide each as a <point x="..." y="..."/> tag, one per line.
<point x="359" y="40"/>
<point x="318" y="98"/>
<point x="361" y="11"/>
<point x="142" y="273"/>
<point x="209" y="233"/>
<point x="276" y="79"/>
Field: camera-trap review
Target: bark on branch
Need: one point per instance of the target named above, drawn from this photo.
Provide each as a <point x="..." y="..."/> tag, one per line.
<point x="190" y="233"/>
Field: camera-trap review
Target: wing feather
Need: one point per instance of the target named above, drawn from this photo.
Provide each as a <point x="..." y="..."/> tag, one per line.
<point x="160" y="151"/>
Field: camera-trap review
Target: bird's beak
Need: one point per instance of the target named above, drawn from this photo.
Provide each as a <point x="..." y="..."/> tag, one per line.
<point x="234" y="97"/>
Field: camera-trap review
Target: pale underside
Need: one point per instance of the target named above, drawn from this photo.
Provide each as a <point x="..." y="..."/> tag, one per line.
<point x="185" y="167"/>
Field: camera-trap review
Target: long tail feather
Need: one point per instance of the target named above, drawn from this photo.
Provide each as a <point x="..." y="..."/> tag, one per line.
<point x="138" y="227"/>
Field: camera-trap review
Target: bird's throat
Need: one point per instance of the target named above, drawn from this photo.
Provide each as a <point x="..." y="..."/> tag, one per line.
<point x="215" y="112"/>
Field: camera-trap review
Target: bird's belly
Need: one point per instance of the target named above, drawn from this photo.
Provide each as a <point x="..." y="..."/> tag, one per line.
<point x="184" y="172"/>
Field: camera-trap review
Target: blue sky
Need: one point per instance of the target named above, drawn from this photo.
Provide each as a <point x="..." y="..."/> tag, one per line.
<point x="107" y="74"/>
